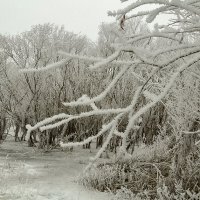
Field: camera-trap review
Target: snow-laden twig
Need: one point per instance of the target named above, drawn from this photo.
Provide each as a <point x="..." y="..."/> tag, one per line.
<point x="150" y="95"/>
<point x="140" y="78"/>
<point x="85" y="114"/>
<point x="139" y="53"/>
<point x="195" y="74"/>
<point x="45" y="124"/>
<point x="145" y="108"/>
<point x="152" y="35"/>
<point x="117" y="133"/>
<point x="197" y="143"/>
<point x="182" y="55"/>
<point x="84" y="100"/>
<point x="46" y="121"/>
<point x="138" y="14"/>
<point x="89" y="139"/>
<point x="154" y="13"/>
<point x="103" y="61"/>
<point x="175" y="3"/>
<point x="88" y="101"/>
<point x="99" y="59"/>
<point x="191" y="132"/>
<point x="105" y="144"/>
<point x="93" y="106"/>
<point x="106" y="61"/>
<point x="44" y="69"/>
<point x="174" y="48"/>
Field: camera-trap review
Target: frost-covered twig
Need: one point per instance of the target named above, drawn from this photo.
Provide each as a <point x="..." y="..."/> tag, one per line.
<point x="106" y="60"/>
<point x="46" y="121"/>
<point x="88" y="101"/>
<point x="174" y="48"/>
<point x="191" y="132"/>
<point x="89" y="139"/>
<point x="44" y="69"/>
<point x="153" y="35"/>
<point x="175" y="3"/>
<point x="156" y="100"/>
<point x="85" y="114"/>
<point x="99" y="59"/>
<point x="105" y="144"/>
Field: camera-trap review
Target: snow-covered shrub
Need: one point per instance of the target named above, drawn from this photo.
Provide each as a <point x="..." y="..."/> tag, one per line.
<point x="138" y="169"/>
<point x="127" y="194"/>
<point x="162" y="193"/>
<point x="183" y="102"/>
<point x="179" y="194"/>
<point x="100" y="177"/>
<point x="160" y="167"/>
<point x="155" y="152"/>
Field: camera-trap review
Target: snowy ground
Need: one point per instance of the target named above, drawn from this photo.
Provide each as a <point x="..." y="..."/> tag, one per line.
<point x="27" y="175"/>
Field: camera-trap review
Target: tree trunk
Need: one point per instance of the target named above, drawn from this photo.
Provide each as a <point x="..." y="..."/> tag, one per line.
<point x="17" y="128"/>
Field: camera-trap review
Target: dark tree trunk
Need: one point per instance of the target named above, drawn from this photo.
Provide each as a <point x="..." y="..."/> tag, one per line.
<point x="151" y="124"/>
<point x="24" y="131"/>
<point x="99" y="142"/>
<point x="31" y="140"/>
<point x="1" y="132"/>
<point x="17" y="128"/>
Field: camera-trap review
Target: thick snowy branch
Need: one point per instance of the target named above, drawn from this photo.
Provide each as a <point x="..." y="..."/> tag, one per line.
<point x="98" y="59"/>
<point x="48" y="67"/>
<point x="85" y="114"/>
<point x="175" y="3"/>
<point x="89" y="139"/>
<point x="46" y="121"/>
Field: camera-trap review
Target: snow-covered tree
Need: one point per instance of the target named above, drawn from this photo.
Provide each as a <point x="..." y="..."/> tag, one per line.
<point x="29" y="98"/>
<point x="157" y="67"/>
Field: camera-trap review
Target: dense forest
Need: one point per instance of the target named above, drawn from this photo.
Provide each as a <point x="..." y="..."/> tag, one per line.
<point x="133" y="98"/>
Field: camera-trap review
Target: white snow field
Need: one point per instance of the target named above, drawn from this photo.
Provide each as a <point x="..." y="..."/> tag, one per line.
<point x="29" y="175"/>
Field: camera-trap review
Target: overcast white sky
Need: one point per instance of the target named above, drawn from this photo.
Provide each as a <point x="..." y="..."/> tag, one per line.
<point x="79" y="16"/>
